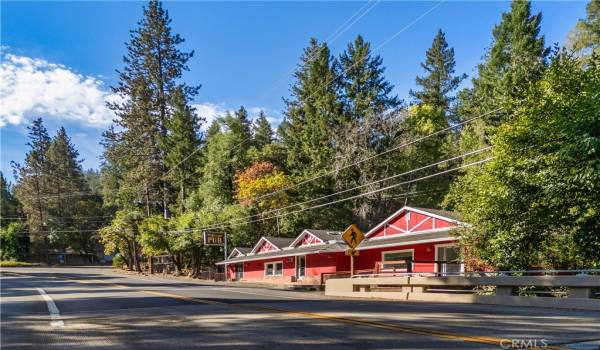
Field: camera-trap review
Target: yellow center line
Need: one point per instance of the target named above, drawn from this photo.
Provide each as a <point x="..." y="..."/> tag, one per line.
<point x="347" y="320"/>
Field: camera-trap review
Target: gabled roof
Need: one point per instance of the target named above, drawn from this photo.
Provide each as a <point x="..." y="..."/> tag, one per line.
<point x="315" y="249"/>
<point x="323" y="235"/>
<point x="326" y="235"/>
<point x="280" y="242"/>
<point x="277" y="242"/>
<point x="240" y="250"/>
<point x="436" y="213"/>
<point x="443" y="213"/>
<point x="400" y="240"/>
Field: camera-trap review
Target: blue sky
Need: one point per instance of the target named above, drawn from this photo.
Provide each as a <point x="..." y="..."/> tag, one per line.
<point x="59" y="58"/>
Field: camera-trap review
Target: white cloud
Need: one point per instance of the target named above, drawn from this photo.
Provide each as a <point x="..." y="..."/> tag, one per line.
<point x="209" y="111"/>
<point x="33" y="88"/>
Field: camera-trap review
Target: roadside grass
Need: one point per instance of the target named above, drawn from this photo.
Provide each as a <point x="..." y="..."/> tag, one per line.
<point x="12" y="263"/>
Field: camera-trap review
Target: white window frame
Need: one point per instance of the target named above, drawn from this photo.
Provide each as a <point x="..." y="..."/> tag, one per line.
<point x="436" y="257"/>
<point x="273" y="263"/>
<point x="412" y="254"/>
<point x="296" y="266"/>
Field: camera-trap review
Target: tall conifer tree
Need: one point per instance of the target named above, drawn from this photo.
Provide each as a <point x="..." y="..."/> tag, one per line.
<point x="439" y="81"/>
<point x="148" y="84"/>
<point x="312" y="111"/>
<point x="33" y="186"/>
<point x="366" y="92"/>
<point x="183" y="147"/>
<point x="263" y="134"/>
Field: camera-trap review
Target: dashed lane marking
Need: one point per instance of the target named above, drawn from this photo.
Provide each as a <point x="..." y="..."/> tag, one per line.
<point x="57" y="321"/>
<point x="347" y="320"/>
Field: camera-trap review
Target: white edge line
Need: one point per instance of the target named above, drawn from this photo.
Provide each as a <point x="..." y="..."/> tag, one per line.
<point x="56" y="322"/>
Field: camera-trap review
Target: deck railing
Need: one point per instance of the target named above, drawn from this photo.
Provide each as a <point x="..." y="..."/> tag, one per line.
<point x="577" y="289"/>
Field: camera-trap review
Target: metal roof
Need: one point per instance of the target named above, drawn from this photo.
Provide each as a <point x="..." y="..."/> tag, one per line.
<point x="279" y="242"/>
<point x="326" y="235"/>
<point x="320" y="248"/>
<point x="439" y="212"/>
<point x="404" y="239"/>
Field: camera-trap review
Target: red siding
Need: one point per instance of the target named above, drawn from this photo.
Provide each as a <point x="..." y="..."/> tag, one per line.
<point x="309" y="239"/>
<point x="266" y="247"/>
<point x="424" y="251"/>
<point x="255" y="270"/>
<point x="316" y="264"/>
<point x="410" y="221"/>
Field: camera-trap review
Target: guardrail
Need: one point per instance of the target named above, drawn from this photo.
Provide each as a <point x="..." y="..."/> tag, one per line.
<point x="577" y="289"/>
<point x="399" y="272"/>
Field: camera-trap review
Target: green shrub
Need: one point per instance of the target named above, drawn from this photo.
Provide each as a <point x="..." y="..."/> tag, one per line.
<point x="118" y="261"/>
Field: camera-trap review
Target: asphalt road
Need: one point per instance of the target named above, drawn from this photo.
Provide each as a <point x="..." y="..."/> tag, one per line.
<point x="96" y="308"/>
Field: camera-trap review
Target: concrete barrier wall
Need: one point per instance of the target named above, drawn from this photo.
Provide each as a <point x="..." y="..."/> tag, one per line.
<point x="416" y="289"/>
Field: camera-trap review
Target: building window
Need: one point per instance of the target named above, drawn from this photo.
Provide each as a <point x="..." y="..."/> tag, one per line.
<point x="396" y="259"/>
<point x="274" y="269"/>
<point x="300" y="266"/>
<point x="448" y="261"/>
<point x="239" y="271"/>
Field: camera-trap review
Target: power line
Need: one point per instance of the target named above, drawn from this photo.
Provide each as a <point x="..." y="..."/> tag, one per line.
<point x="333" y="36"/>
<point x="56" y="217"/>
<point x="368" y="184"/>
<point x="60" y="231"/>
<point x="406" y="144"/>
<point x="223" y="225"/>
<point x="341" y="30"/>
<point x="385" y="42"/>
<point x="344" y="72"/>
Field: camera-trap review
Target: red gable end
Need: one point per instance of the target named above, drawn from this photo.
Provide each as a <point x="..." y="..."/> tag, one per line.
<point x="266" y="247"/>
<point x="410" y="221"/>
<point x="308" y="239"/>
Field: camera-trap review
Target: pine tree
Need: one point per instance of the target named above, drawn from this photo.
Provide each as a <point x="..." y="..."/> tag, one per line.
<point x="183" y="147"/>
<point x="67" y="186"/>
<point x="312" y="115"/>
<point x="263" y="134"/>
<point x="33" y="186"/>
<point x="9" y="205"/>
<point x="440" y="80"/>
<point x="312" y="112"/>
<point x="213" y="129"/>
<point x="73" y="210"/>
<point x="584" y="39"/>
<point x="365" y="90"/>
<point x="148" y="83"/>
<point x="516" y="59"/>
<point x="239" y="130"/>
<point x="370" y="109"/>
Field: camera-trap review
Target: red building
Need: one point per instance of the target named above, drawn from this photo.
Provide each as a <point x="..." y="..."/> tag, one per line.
<point x="410" y="240"/>
<point x="421" y="235"/>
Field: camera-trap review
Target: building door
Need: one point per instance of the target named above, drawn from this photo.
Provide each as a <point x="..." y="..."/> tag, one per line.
<point x="239" y="271"/>
<point x="300" y="266"/>
<point x="449" y="256"/>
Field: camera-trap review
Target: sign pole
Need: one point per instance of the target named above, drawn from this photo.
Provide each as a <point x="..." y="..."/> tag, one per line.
<point x="225" y="246"/>
<point x="351" y="265"/>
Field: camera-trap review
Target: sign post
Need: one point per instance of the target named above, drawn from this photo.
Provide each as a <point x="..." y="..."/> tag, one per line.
<point x="352" y="236"/>
<point x="217" y="239"/>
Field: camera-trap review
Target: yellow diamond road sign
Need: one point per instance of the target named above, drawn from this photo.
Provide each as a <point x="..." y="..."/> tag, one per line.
<point x="353" y="236"/>
<point x="352" y="252"/>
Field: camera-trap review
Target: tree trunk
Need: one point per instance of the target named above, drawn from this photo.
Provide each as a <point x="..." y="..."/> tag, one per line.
<point x="195" y="262"/>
